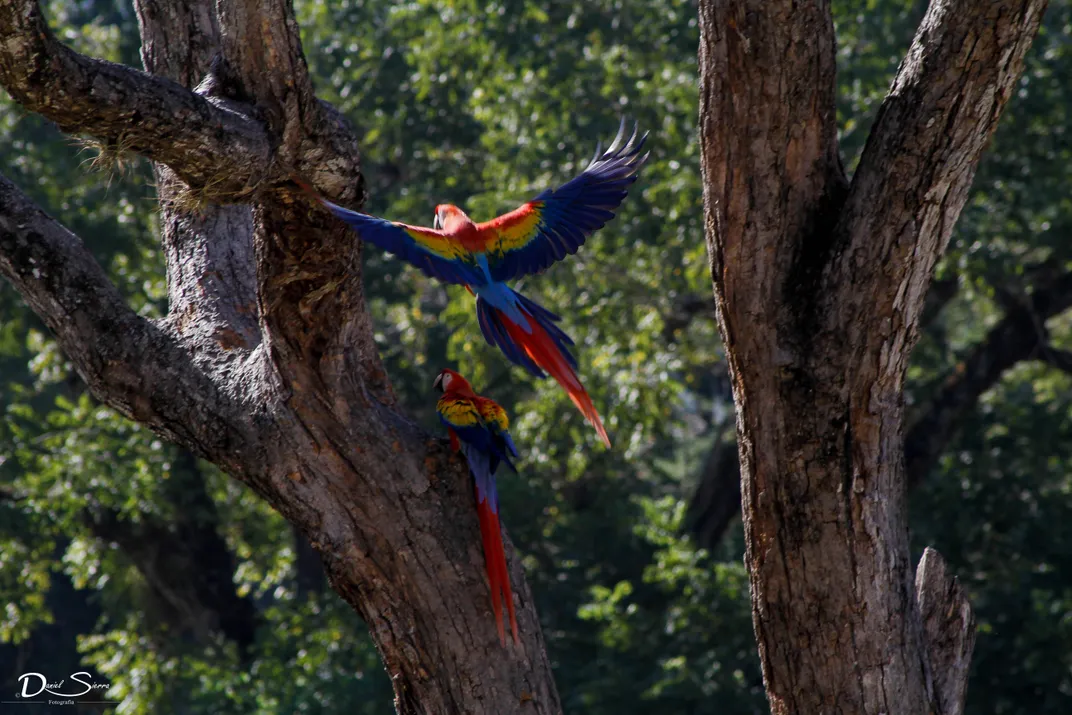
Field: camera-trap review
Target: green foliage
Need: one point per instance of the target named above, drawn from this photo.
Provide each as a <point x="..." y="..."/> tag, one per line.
<point x="484" y="105"/>
<point x="661" y="626"/>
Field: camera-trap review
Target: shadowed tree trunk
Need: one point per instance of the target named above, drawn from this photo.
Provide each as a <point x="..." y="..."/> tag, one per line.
<point x="265" y="363"/>
<point x="819" y="284"/>
<point x="1019" y="336"/>
<point x="184" y="561"/>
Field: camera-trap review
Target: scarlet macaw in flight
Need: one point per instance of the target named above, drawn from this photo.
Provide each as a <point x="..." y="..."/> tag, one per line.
<point x="479" y="427"/>
<point x="483" y="256"/>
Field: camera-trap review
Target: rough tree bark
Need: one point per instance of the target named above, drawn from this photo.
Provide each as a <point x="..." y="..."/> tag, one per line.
<point x="265" y="363"/>
<point x="819" y="284"/>
<point x="1019" y="336"/>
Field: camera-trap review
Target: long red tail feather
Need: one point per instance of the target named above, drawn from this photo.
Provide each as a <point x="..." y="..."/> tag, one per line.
<point x="541" y="349"/>
<point x="498" y="574"/>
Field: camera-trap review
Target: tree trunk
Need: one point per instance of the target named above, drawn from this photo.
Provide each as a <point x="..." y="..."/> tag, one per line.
<point x="819" y="284"/>
<point x="265" y="364"/>
<point x="1019" y="336"/>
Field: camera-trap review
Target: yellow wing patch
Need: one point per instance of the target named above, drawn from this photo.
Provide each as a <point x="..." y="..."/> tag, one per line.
<point x="436" y="242"/>
<point x="458" y="412"/>
<point x="494" y="414"/>
<point x="513" y="230"/>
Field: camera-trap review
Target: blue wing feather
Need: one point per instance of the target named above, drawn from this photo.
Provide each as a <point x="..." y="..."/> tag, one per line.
<point x="484" y="445"/>
<point x="483" y="471"/>
<point x="569" y="214"/>
<point x="495" y="334"/>
<point x="437" y="257"/>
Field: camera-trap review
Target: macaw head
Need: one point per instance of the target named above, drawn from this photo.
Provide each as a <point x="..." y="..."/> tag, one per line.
<point x="449" y="381"/>
<point x="450" y="218"/>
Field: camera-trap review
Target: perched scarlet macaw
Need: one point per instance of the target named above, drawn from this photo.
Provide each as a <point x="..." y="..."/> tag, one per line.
<point x="483" y="256"/>
<point x="480" y="428"/>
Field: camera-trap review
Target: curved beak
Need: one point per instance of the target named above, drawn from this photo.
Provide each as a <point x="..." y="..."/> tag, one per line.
<point x="436" y="223"/>
<point x="438" y="384"/>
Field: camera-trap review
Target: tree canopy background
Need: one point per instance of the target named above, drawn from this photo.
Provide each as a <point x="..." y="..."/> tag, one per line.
<point x="118" y="550"/>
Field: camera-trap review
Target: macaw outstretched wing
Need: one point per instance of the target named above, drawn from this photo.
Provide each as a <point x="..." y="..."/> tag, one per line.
<point x="556" y="223"/>
<point x="435" y="253"/>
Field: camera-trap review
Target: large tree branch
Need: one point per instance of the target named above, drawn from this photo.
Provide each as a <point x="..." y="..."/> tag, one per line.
<point x="178" y="40"/>
<point x="1020" y="335"/>
<point x="761" y="149"/>
<point x="306" y="416"/>
<point x="221" y="152"/>
<point x="212" y="292"/>
<point x="690" y="306"/>
<point x="920" y="159"/>
<point x="262" y="42"/>
<point x="222" y="155"/>
<point x="913" y="179"/>
<point x="219" y="145"/>
<point x="949" y="629"/>
<point x="127" y="361"/>
<point x="308" y="262"/>
<point x="819" y="293"/>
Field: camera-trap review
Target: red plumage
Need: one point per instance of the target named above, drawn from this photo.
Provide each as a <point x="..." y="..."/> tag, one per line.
<point x="543" y="351"/>
<point x="480" y="428"/>
<point x="495" y="566"/>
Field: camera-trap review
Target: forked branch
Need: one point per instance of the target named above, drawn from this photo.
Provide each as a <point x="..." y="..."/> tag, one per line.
<point x="212" y="148"/>
<point x="128" y="362"/>
<point x="922" y="153"/>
